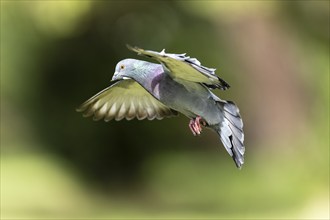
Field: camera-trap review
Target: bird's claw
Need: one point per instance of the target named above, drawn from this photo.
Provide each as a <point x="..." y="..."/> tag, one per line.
<point x="195" y="125"/>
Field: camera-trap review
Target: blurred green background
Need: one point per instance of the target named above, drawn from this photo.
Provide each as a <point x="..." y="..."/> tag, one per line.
<point x="57" y="164"/>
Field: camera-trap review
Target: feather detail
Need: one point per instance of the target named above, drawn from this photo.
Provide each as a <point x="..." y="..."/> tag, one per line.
<point x="184" y="67"/>
<point x="125" y="99"/>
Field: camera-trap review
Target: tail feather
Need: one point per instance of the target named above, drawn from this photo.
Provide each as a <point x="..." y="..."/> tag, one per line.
<point x="231" y="132"/>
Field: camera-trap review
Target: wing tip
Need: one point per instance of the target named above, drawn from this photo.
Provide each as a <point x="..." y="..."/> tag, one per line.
<point x="134" y="48"/>
<point x="129" y="47"/>
<point x="81" y="108"/>
<point x="223" y="84"/>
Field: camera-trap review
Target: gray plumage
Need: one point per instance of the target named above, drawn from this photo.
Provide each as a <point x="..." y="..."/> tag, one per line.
<point x="141" y="89"/>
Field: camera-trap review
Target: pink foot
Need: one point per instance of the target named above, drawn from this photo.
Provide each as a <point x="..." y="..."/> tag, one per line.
<point x="195" y="125"/>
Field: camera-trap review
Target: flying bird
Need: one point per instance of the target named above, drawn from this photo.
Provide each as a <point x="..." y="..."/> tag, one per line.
<point x="145" y="90"/>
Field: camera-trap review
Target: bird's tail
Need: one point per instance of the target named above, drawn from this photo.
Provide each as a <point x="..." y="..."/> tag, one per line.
<point x="231" y="132"/>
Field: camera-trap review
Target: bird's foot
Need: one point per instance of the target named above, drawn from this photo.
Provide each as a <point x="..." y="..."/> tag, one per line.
<point x="195" y="125"/>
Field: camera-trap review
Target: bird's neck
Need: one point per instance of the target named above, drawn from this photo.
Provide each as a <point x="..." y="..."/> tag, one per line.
<point x="151" y="78"/>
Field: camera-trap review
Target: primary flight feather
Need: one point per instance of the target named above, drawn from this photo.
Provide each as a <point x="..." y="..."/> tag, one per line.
<point x="140" y="89"/>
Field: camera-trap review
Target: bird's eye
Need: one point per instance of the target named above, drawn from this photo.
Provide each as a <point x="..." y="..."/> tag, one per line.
<point x="122" y="67"/>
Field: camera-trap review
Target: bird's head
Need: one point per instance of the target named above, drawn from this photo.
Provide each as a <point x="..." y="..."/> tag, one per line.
<point x="125" y="69"/>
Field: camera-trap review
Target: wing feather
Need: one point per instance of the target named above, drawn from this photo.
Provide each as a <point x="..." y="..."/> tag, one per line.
<point x="182" y="67"/>
<point x="125" y="99"/>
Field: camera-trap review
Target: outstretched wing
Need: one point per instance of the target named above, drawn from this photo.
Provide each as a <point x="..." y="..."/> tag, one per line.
<point x="125" y="99"/>
<point x="182" y="67"/>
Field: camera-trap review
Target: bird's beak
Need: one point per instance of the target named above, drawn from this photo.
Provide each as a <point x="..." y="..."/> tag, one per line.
<point x="117" y="77"/>
<point x="114" y="77"/>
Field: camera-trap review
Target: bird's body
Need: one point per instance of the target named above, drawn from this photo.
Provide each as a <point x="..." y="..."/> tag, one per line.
<point x="180" y="84"/>
<point x="188" y="98"/>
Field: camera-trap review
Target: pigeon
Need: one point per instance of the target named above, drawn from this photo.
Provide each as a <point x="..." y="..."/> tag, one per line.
<point x="176" y="84"/>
